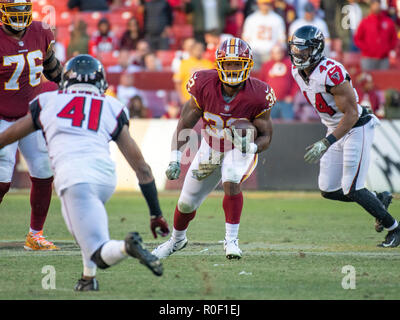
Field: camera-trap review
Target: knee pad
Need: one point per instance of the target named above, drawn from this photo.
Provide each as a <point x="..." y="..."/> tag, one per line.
<point x="98" y="260"/>
<point x="184" y="207"/>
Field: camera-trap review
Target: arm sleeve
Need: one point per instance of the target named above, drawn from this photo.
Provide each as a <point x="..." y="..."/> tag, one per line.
<point x="122" y="120"/>
<point x="35" y="109"/>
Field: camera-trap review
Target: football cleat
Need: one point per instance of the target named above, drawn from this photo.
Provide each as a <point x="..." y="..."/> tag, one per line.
<point x="133" y="247"/>
<point x="232" y="249"/>
<point x="37" y="241"/>
<point x="169" y="247"/>
<point x="392" y="239"/>
<point x="386" y="199"/>
<point x="87" y="285"/>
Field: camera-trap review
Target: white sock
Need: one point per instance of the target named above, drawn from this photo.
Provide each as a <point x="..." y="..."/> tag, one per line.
<point x="113" y="252"/>
<point x="231" y="231"/>
<point x="178" y="235"/>
<point x="394" y="226"/>
<point x="89" y="272"/>
<point x="34" y="231"/>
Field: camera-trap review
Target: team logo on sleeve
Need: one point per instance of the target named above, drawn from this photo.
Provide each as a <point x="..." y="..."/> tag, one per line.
<point x="336" y="75"/>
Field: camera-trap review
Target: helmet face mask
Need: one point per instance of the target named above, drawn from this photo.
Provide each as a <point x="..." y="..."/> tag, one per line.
<point x="306" y="47"/>
<point x="16" y="14"/>
<point x="234" y="61"/>
<point x="86" y="70"/>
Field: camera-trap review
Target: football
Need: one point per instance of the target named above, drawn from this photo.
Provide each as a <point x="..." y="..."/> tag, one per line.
<point x="242" y="125"/>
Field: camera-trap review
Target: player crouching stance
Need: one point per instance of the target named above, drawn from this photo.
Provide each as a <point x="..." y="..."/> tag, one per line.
<point x="344" y="153"/>
<point x="220" y="97"/>
<point x="78" y="122"/>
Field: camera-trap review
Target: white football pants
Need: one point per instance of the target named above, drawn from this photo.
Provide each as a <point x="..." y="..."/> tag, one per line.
<point x="33" y="148"/>
<point x="86" y="217"/>
<point x="345" y="164"/>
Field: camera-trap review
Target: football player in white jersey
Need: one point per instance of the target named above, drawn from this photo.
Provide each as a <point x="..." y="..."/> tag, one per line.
<point x="78" y="122"/>
<point x="345" y="151"/>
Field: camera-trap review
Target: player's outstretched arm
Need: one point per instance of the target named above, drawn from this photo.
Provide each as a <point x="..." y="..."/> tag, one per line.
<point x="18" y="130"/>
<point x="134" y="156"/>
<point x="263" y="125"/>
<point x="345" y="100"/>
<point x="52" y="68"/>
<point x="190" y="115"/>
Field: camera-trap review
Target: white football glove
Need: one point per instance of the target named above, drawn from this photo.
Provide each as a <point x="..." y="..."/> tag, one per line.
<point x="244" y="144"/>
<point x="174" y="167"/>
<point x="316" y="151"/>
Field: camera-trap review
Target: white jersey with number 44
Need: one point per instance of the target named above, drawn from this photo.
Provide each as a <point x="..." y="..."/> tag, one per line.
<point x="316" y="89"/>
<point x="78" y="126"/>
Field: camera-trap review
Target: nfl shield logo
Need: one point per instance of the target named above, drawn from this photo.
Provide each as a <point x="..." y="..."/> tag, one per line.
<point x="21" y="43"/>
<point x="226" y="108"/>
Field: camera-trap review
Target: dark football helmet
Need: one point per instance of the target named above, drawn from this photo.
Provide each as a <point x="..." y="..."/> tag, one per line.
<point x="16" y="14"/>
<point x="84" y="69"/>
<point x="239" y="52"/>
<point x="306" y="48"/>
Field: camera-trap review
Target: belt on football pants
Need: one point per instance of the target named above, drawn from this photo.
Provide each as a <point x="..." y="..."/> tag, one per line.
<point x="364" y="118"/>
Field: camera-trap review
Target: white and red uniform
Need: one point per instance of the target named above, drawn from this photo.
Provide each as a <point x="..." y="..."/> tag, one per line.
<point x="345" y="164"/>
<point x="21" y="67"/>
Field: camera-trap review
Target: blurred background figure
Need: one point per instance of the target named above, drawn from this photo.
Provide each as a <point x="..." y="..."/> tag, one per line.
<point x="376" y="37"/>
<point x="277" y="73"/>
<point x="368" y="95"/>
<point x="142" y="48"/>
<point x="208" y="15"/>
<point x="213" y="39"/>
<point x="182" y="54"/>
<point x="103" y="40"/>
<point x="262" y="30"/>
<point x="137" y="110"/>
<point x="310" y="18"/>
<point x="125" y="88"/>
<point x="125" y="64"/>
<point x="88" y="5"/>
<point x="59" y="48"/>
<point x="194" y="63"/>
<point x="173" y="111"/>
<point x="79" y="42"/>
<point x="158" y="19"/>
<point x="131" y="36"/>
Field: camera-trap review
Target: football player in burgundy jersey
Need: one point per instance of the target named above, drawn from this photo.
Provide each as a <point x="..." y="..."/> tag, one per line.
<point x="344" y="152"/>
<point x="26" y="52"/>
<point x="219" y="97"/>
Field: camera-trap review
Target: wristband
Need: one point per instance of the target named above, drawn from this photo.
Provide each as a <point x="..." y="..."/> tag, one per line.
<point x="176" y="156"/>
<point x="253" y="148"/>
<point x="331" y="139"/>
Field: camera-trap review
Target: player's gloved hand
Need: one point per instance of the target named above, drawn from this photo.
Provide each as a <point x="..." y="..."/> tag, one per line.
<point x="159" y="225"/>
<point x="174" y="167"/>
<point x="244" y="144"/>
<point x="316" y="151"/>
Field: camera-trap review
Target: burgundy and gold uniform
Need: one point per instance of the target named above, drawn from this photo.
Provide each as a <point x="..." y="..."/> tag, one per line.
<point x="21" y="67"/>
<point x="253" y="100"/>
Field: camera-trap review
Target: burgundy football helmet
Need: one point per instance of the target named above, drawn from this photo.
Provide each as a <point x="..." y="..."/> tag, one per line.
<point x="16" y="14"/>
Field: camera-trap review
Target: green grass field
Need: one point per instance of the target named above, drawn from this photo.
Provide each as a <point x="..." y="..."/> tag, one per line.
<point x="294" y="247"/>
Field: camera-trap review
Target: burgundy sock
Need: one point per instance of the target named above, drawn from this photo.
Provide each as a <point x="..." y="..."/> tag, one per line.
<point x="40" y="201"/>
<point x="233" y="206"/>
<point x="4" y="187"/>
<point x="181" y="220"/>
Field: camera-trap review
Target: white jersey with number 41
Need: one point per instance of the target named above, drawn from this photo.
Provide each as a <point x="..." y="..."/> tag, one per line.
<point x="316" y="89"/>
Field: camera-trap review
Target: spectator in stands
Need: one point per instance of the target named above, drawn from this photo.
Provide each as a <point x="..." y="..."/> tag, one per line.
<point x="173" y="111"/>
<point x="125" y="88"/>
<point x="213" y="39"/>
<point x="310" y="18"/>
<point x="376" y="37"/>
<point x="286" y="11"/>
<point x="88" y="5"/>
<point x="155" y="100"/>
<point x="79" y="42"/>
<point x="158" y="20"/>
<point x="303" y="110"/>
<point x="182" y="54"/>
<point x="262" y="30"/>
<point x="137" y="109"/>
<point x="368" y="95"/>
<point x="188" y="66"/>
<point x="131" y="36"/>
<point x="208" y="15"/>
<point x="125" y="64"/>
<point x="103" y="40"/>
<point x="278" y="74"/>
<point x="142" y="48"/>
<point x="233" y="26"/>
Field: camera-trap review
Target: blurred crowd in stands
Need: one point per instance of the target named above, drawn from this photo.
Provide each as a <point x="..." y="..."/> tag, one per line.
<point x="179" y="37"/>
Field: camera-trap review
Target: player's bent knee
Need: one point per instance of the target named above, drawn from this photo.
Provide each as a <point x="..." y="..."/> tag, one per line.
<point x="98" y="260"/>
<point x="184" y="207"/>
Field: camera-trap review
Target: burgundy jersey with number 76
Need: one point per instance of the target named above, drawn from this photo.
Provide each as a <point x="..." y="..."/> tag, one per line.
<point x="21" y="67"/>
